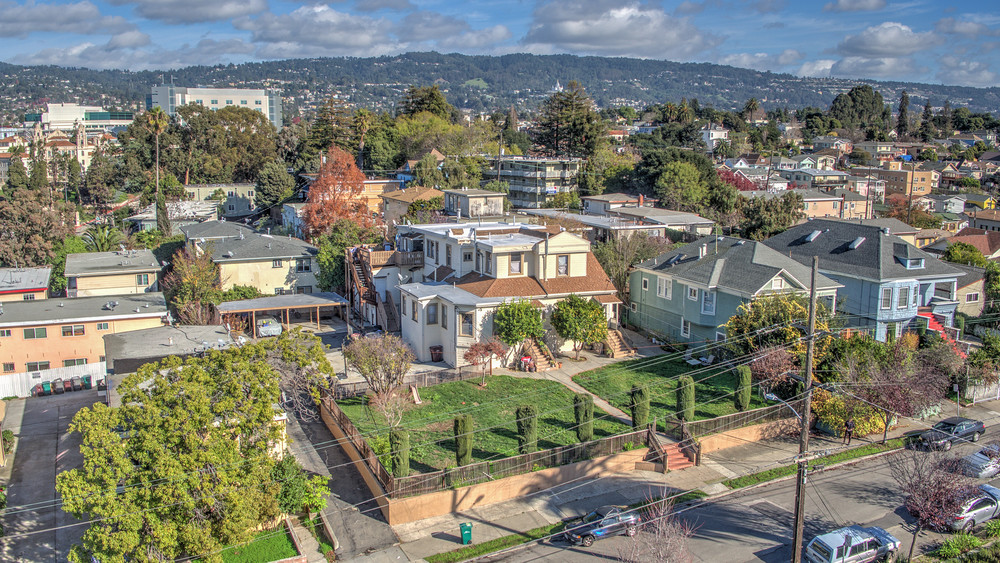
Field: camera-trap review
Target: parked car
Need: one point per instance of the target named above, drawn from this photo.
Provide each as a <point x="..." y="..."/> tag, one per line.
<point x="944" y="434"/>
<point x="983" y="464"/>
<point x="984" y="506"/>
<point x="268" y="326"/>
<point x="853" y="544"/>
<point x="57" y="386"/>
<point x="603" y="522"/>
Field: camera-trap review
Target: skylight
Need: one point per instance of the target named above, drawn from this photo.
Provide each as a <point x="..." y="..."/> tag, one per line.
<point x="812" y="236"/>
<point x="856" y="243"/>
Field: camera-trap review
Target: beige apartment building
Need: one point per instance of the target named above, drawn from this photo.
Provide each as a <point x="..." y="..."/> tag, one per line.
<point x="902" y="177"/>
<point x="24" y="284"/>
<point x="111" y="273"/>
<point x="51" y="333"/>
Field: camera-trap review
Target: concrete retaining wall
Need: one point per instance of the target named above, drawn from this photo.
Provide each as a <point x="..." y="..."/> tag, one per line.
<point x="747" y="434"/>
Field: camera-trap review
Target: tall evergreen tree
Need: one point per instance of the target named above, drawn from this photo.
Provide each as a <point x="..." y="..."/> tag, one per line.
<point x="17" y="175"/>
<point x="903" y="118"/>
<point x="927" y="130"/>
<point x="946" y="121"/>
<point x="568" y="125"/>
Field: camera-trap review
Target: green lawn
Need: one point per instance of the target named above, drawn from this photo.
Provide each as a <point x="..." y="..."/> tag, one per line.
<point x="492" y="409"/>
<point x="269" y="546"/>
<point x="614" y="382"/>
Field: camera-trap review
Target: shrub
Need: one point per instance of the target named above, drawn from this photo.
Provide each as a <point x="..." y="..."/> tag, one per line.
<point x="685" y="398"/>
<point x="834" y="412"/>
<point x="294" y="484"/>
<point x="741" y="398"/>
<point x="463" y="439"/>
<point x="583" y="408"/>
<point x="8" y="441"/>
<point x="960" y="323"/>
<point x="399" y="442"/>
<point x="527" y="429"/>
<point x="957" y="545"/>
<point x="379" y="443"/>
<point x="640" y="406"/>
<point x="992" y="528"/>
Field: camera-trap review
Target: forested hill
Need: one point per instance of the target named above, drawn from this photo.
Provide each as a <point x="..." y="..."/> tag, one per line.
<point x="476" y="82"/>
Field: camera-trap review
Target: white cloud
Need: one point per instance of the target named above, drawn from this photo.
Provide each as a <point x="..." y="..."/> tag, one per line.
<point x="193" y="11"/>
<point x="123" y="52"/>
<point x="376" y="5"/>
<point x="963" y="27"/>
<point x="613" y="28"/>
<point x="80" y="17"/>
<point x="888" y="39"/>
<point x="880" y="67"/>
<point x="426" y="26"/>
<point x="477" y="39"/>
<point x="854" y="5"/>
<point x="763" y="61"/>
<point x="966" y="73"/>
<point x="817" y="68"/>
<point x="314" y="31"/>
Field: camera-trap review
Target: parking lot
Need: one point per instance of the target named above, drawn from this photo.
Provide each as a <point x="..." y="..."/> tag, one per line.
<point x="37" y="529"/>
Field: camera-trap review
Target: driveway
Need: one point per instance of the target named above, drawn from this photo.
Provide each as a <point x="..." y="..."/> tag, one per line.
<point x="37" y="529"/>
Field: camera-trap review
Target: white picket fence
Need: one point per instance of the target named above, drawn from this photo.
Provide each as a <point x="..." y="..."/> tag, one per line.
<point x="22" y="384"/>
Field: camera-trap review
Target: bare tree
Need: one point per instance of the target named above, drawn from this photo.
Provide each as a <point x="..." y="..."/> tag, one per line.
<point x="382" y="360"/>
<point x="662" y="537"/>
<point x="772" y="365"/>
<point x="937" y="489"/>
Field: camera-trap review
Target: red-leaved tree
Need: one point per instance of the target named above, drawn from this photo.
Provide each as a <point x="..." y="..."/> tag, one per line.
<point x="741" y="183"/>
<point x="336" y="194"/>
<point x="481" y="353"/>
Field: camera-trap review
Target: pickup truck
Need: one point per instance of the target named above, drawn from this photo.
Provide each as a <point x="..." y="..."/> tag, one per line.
<point x="853" y="544"/>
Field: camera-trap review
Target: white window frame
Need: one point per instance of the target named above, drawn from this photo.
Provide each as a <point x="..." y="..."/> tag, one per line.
<point x="692" y="293"/>
<point x="664" y="287"/>
<point x="645" y="284"/>
<point x="972" y="297"/>
<point x="685" y="328"/>
<point x="431" y="319"/>
<point x="903" y="298"/>
<point x="778" y="283"/>
<point x="633" y="307"/>
<point x="885" y="301"/>
<point x="720" y="336"/>
<point x="707" y="298"/>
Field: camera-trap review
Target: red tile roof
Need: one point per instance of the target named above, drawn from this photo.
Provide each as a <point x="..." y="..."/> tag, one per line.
<point x="987" y="242"/>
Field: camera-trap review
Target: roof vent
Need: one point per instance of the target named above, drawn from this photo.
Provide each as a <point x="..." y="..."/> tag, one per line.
<point x="886" y="231"/>
<point x="856" y="243"/>
<point x="813" y="235"/>
<point x="61" y="304"/>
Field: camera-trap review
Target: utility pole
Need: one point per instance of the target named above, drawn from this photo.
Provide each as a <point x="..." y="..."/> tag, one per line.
<point x="800" y="482"/>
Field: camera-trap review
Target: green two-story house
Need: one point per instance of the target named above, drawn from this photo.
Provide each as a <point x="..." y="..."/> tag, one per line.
<point x="689" y="293"/>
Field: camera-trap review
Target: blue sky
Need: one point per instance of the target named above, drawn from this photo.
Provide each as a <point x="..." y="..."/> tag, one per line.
<point x="922" y="41"/>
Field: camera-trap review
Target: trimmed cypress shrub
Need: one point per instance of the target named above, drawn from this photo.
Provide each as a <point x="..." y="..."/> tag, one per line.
<point x="463" y="439"/>
<point x="741" y="398"/>
<point x="583" y="407"/>
<point x="640" y="406"/>
<point x="527" y="429"/>
<point x="399" y="443"/>
<point x="685" y="398"/>
<point x="960" y="323"/>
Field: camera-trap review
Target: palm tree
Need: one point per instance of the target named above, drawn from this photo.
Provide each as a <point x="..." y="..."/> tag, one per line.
<point x="102" y="238"/>
<point x="157" y="121"/>
<point x="750" y="108"/>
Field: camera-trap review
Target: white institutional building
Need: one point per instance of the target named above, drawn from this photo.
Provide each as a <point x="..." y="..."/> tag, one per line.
<point x="169" y="97"/>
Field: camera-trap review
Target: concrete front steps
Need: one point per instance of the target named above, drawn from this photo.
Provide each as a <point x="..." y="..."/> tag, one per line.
<point x="676" y="460"/>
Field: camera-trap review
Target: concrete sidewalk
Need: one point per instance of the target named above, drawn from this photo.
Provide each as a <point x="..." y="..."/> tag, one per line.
<point x="440" y="534"/>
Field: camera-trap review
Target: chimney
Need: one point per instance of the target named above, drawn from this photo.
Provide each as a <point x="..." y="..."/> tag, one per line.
<point x="642" y="200"/>
<point x="702" y="250"/>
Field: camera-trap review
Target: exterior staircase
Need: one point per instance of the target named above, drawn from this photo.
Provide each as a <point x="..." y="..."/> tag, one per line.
<point x="934" y="324"/>
<point x="616" y="346"/>
<point x="676" y="459"/>
<point x="542" y="361"/>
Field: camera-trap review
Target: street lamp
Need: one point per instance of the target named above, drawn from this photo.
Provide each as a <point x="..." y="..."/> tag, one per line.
<point x="773" y="397"/>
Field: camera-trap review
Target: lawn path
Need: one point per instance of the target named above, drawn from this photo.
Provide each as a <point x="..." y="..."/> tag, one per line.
<point x="566" y="379"/>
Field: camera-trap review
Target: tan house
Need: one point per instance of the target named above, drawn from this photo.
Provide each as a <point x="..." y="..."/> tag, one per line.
<point x="901" y="178"/>
<point x="604" y="203"/>
<point x="396" y="204"/>
<point x="493" y="263"/>
<point x="111" y="273"/>
<point x="273" y="264"/>
<point x="971" y="290"/>
<point x="24" y="284"/>
<point x="374" y="189"/>
<point x="473" y="203"/>
<point x="50" y="333"/>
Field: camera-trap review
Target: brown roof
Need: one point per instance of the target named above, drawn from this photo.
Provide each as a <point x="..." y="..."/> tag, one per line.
<point x="595" y="282"/>
<point x="410" y="195"/>
<point x="987" y="242"/>
<point x="442" y="272"/>
<point x="606" y="298"/>
<point x="987" y="214"/>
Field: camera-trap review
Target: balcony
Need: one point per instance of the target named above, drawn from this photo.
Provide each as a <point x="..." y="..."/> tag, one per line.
<point x="380" y="258"/>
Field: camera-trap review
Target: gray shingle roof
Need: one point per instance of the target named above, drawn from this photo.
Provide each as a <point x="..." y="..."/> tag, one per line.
<point x="741" y="266"/>
<point x="970" y="274"/>
<point x="877" y="255"/>
<point x="116" y="262"/>
<point x="255" y="246"/>
<point x="215" y="229"/>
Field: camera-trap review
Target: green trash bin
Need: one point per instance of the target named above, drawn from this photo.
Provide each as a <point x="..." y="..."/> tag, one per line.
<point x="466" y="528"/>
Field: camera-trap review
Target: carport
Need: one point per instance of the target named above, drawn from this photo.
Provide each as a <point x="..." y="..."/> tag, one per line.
<point x="285" y="305"/>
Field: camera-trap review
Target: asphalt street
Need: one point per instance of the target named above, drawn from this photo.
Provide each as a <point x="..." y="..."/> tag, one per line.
<point x="756" y="525"/>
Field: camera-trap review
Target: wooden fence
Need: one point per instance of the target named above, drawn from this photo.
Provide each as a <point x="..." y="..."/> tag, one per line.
<point x="686" y="432"/>
<point x="346" y="390"/>
<point x="359" y="443"/>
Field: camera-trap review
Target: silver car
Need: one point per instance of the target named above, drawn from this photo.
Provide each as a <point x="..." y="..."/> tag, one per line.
<point x="983" y="464"/>
<point x="852" y="544"/>
<point x="984" y="506"/>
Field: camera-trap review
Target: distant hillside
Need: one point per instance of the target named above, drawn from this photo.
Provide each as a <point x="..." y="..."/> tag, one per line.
<point x="475" y="82"/>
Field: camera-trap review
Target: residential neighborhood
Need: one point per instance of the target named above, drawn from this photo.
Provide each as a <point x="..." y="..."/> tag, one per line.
<point x="334" y="316"/>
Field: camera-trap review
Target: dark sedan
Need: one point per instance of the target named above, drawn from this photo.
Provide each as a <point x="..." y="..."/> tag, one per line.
<point x="944" y="434"/>
<point x="603" y="522"/>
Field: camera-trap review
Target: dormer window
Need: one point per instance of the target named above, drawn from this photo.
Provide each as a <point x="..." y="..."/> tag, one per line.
<point x="915" y="264"/>
<point x="515" y="263"/>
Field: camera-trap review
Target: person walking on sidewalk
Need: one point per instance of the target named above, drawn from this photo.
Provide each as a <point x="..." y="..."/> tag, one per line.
<point x="848" y="431"/>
